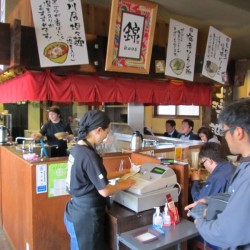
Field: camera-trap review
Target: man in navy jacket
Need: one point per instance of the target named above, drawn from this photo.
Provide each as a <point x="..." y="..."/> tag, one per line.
<point x="187" y="127"/>
<point x="221" y="170"/>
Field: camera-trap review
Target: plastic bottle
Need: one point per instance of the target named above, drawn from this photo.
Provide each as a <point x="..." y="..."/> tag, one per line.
<point x="157" y="218"/>
<point x="166" y="217"/>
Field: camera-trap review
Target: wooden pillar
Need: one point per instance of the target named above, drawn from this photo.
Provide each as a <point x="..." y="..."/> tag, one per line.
<point x="15" y="48"/>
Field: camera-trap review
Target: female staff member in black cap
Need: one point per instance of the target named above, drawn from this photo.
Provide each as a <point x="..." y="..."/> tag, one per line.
<point x="53" y="126"/>
<point x="88" y="184"/>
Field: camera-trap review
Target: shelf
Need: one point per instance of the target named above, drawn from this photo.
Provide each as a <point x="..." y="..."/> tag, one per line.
<point x="116" y="106"/>
<point x="119" y="123"/>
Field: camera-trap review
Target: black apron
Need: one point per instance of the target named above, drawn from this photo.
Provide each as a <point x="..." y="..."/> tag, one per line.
<point x="87" y="213"/>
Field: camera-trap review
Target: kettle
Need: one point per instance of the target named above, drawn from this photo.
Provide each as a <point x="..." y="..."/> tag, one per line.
<point x="136" y="140"/>
<point x="3" y="134"/>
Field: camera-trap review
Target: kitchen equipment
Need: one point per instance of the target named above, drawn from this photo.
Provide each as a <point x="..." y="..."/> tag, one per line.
<point x="6" y="120"/>
<point x="3" y="134"/>
<point x="136" y="140"/>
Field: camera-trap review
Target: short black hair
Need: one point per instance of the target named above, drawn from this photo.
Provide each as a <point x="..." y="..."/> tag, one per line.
<point x="213" y="151"/>
<point x="54" y="109"/>
<point x="171" y="122"/>
<point x="189" y="121"/>
<point x="206" y="131"/>
<point x="236" y="114"/>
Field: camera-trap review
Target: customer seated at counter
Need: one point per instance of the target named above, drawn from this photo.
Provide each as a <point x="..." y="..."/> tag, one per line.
<point x="53" y="126"/>
<point x="171" y="130"/>
<point x="221" y="170"/>
<point x="187" y="133"/>
<point x="207" y="135"/>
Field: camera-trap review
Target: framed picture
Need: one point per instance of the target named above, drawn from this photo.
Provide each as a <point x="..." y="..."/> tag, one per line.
<point x="131" y="34"/>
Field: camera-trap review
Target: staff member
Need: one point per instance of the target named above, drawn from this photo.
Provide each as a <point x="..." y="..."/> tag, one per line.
<point x="53" y="126"/>
<point x="88" y="185"/>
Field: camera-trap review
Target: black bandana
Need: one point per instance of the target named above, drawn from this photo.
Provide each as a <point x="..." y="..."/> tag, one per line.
<point x="91" y="120"/>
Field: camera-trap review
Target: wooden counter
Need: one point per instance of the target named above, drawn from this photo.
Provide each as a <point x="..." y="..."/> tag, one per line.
<point x="30" y="220"/>
<point x="34" y="221"/>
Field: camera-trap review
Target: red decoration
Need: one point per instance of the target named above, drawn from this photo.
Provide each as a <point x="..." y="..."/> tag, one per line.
<point x="41" y="86"/>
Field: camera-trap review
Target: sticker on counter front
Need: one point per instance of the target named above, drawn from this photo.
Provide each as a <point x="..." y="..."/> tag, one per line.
<point x="57" y="173"/>
<point x="41" y="178"/>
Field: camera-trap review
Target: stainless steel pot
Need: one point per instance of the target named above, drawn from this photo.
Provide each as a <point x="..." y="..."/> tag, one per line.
<point x="3" y="134"/>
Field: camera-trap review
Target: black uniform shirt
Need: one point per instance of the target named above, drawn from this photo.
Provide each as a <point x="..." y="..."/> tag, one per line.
<point x="86" y="172"/>
<point x="49" y="129"/>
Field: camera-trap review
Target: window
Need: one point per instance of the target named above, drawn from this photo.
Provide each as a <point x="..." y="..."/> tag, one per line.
<point x="180" y="110"/>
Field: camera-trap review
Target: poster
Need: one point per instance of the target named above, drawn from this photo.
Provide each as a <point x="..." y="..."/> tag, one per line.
<point x="57" y="173"/>
<point x="60" y="32"/>
<point x="41" y="178"/>
<point x="181" y="51"/>
<point x="216" y="56"/>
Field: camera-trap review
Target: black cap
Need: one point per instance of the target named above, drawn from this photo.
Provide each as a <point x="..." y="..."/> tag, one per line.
<point x="54" y="109"/>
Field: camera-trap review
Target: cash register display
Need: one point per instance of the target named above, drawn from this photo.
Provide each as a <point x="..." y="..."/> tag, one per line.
<point x="157" y="170"/>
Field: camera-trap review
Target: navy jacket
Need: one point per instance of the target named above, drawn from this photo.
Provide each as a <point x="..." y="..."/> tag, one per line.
<point x="217" y="182"/>
<point x="191" y="135"/>
<point x="175" y="134"/>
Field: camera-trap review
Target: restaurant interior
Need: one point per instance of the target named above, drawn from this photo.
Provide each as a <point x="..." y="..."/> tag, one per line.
<point x="130" y="98"/>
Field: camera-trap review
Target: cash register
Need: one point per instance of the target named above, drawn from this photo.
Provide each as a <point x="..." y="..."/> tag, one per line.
<point x="153" y="182"/>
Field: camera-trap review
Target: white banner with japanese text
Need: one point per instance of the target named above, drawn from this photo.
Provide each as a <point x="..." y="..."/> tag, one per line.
<point x="60" y="32"/>
<point x="216" y="56"/>
<point x="181" y="51"/>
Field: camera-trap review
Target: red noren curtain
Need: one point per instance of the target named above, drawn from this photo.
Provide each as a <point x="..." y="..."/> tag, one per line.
<point x="39" y="86"/>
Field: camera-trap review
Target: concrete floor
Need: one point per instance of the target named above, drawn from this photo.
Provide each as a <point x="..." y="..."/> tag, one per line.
<point x="4" y="243"/>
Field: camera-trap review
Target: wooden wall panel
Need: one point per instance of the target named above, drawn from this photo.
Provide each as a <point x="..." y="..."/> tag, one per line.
<point x="96" y="19"/>
<point x="5" y="43"/>
<point x="161" y="34"/>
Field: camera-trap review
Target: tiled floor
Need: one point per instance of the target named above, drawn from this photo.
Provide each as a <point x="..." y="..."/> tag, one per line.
<point x="4" y="243"/>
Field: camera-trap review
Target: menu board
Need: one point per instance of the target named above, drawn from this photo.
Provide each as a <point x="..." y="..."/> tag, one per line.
<point x="60" y="32"/>
<point x="182" y="40"/>
<point x="216" y="56"/>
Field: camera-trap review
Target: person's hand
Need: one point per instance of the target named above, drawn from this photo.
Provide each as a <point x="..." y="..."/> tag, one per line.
<point x="190" y="206"/>
<point x="125" y="184"/>
<point x="36" y="135"/>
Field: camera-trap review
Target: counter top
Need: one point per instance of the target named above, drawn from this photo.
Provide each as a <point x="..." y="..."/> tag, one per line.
<point x="163" y="145"/>
<point x="19" y="153"/>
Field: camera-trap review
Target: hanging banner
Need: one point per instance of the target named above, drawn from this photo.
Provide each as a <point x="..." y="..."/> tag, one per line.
<point x="182" y="40"/>
<point x="216" y="56"/>
<point x="60" y="32"/>
<point x="131" y="35"/>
